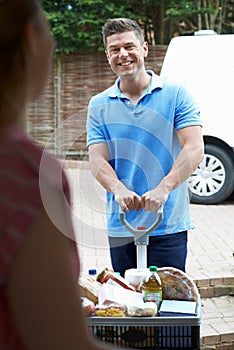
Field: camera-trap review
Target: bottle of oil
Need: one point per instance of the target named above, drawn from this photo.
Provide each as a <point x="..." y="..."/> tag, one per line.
<point x="151" y="286"/>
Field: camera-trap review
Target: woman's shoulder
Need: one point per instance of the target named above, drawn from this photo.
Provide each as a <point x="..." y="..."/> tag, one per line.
<point x="31" y="162"/>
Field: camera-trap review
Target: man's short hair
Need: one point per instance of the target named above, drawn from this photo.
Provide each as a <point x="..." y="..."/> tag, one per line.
<point x="121" y="25"/>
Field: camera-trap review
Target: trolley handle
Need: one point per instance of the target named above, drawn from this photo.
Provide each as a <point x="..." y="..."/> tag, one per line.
<point x="141" y="235"/>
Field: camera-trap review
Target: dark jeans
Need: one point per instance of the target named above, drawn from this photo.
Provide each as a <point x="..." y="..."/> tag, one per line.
<point x="162" y="251"/>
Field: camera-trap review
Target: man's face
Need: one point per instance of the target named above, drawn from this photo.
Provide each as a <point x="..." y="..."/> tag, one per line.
<point x="126" y="54"/>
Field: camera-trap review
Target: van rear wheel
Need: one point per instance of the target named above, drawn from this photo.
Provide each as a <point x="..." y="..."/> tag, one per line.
<point x="213" y="180"/>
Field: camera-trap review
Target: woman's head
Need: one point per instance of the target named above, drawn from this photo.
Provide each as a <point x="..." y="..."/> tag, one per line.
<point x="25" y="53"/>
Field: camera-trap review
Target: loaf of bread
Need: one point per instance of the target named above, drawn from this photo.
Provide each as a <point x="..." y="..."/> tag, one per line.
<point x="177" y="285"/>
<point x="89" y="288"/>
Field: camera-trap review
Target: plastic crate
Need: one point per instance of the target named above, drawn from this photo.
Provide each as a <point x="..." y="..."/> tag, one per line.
<point x="180" y="332"/>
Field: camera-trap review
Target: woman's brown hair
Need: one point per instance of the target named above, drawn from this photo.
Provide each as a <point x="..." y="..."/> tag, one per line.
<point x="14" y="14"/>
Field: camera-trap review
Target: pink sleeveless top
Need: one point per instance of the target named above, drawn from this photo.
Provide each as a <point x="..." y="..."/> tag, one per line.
<point x="23" y="166"/>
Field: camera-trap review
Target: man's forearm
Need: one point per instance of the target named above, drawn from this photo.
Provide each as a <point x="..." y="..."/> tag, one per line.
<point x="185" y="164"/>
<point x="191" y="154"/>
<point x="105" y="175"/>
<point x="101" y="169"/>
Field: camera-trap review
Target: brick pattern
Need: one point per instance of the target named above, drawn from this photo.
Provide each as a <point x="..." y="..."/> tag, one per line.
<point x="217" y="331"/>
<point x="215" y="287"/>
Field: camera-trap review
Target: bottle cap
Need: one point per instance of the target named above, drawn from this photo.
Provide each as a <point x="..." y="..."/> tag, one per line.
<point x="92" y="272"/>
<point x="153" y="268"/>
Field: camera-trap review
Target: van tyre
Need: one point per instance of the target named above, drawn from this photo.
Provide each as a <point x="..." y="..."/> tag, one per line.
<point x="213" y="180"/>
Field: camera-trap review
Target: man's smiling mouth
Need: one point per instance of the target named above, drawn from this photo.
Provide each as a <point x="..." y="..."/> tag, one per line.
<point x="125" y="63"/>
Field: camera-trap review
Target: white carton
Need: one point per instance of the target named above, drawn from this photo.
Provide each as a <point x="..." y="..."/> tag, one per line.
<point x="110" y="294"/>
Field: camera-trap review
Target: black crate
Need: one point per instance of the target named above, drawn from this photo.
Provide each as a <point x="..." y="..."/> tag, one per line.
<point x="169" y="333"/>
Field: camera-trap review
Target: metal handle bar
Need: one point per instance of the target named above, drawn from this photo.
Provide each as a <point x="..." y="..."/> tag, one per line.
<point x="141" y="236"/>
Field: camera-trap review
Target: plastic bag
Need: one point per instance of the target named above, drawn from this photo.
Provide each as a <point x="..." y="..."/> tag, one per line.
<point x="147" y="310"/>
<point x="111" y="310"/>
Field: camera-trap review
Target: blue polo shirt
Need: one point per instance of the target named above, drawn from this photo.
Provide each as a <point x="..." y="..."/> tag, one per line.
<point x="143" y="146"/>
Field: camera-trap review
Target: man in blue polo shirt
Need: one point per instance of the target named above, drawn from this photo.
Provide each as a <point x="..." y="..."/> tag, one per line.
<point x="145" y="140"/>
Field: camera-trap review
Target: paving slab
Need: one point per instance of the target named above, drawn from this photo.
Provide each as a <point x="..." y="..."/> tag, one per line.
<point x="210" y="244"/>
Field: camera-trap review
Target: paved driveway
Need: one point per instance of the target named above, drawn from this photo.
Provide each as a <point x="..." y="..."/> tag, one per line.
<point x="211" y="243"/>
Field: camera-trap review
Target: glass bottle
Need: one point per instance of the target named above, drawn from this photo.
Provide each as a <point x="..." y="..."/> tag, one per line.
<point x="114" y="278"/>
<point x="151" y="287"/>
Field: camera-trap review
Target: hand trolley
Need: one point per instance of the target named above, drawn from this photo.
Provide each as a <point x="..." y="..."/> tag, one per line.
<point x="168" y="333"/>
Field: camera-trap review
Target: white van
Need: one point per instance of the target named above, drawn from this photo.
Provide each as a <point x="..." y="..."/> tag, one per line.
<point x="205" y="63"/>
